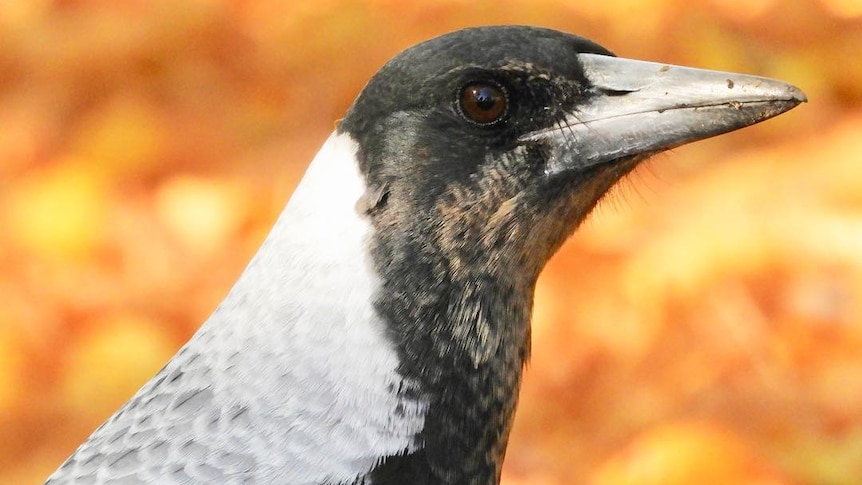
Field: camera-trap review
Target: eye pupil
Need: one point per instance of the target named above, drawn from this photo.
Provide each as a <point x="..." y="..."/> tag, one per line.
<point x="485" y="99"/>
<point x="483" y="102"/>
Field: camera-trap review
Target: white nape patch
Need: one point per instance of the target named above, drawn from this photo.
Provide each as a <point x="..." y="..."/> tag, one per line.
<point x="291" y="380"/>
<point x="308" y="351"/>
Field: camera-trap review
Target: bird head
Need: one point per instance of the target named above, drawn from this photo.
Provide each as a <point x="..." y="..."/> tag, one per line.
<point x="492" y="144"/>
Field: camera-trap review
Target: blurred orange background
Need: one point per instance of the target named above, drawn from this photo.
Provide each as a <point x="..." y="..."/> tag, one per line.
<point x="704" y="327"/>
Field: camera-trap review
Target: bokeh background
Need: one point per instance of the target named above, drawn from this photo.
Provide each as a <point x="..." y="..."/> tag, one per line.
<point x="704" y="327"/>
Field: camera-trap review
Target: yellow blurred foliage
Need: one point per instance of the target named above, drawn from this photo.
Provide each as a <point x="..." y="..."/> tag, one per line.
<point x="686" y="453"/>
<point x="107" y="363"/>
<point x="201" y="214"/>
<point x="59" y="211"/>
<point x="126" y="137"/>
<point x="12" y="362"/>
<point x="845" y="8"/>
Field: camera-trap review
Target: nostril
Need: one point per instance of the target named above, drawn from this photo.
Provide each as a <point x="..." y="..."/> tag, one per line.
<point x="616" y="92"/>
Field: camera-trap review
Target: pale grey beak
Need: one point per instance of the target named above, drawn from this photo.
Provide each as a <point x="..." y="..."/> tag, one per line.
<point x="641" y="108"/>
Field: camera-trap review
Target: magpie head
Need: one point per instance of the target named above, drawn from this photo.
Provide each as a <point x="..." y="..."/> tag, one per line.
<point x="492" y="144"/>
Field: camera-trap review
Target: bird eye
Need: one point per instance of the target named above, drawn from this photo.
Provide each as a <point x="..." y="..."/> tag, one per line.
<point x="483" y="102"/>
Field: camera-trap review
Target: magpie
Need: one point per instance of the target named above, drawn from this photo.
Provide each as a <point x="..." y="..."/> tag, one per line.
<point x="378" y="336"/>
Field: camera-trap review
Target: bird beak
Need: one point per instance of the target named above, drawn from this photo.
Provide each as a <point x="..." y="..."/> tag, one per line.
<point x="642" y="108"/>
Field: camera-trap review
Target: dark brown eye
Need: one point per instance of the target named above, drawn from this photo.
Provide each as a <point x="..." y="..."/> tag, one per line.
<point x="483" y="102"/>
